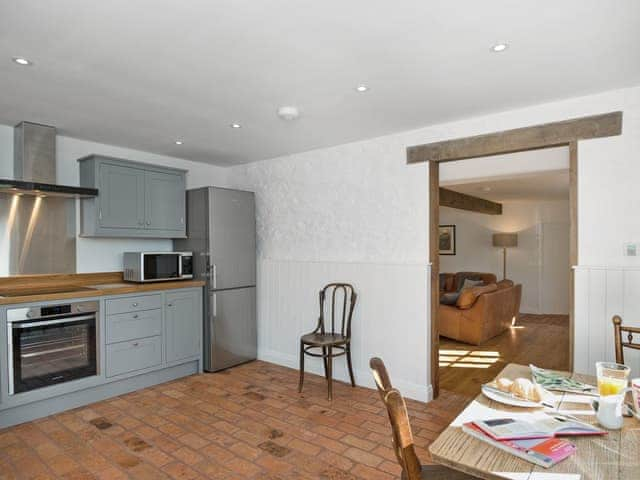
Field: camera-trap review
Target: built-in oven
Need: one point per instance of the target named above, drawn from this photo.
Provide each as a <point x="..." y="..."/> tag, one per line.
<point x="51" y="344"/>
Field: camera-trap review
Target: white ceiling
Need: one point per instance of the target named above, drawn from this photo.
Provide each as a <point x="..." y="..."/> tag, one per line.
<point x="536" y="187"/>
<point x="142" y="73"/>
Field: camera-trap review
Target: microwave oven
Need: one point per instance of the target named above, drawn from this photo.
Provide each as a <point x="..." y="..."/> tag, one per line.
<point x="157" y="266"/>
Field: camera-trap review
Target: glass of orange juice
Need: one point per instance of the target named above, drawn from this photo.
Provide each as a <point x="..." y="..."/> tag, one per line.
<point x="613" y="378"/>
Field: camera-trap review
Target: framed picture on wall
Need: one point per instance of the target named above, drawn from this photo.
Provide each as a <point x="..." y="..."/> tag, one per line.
<point x="447" y="240"/>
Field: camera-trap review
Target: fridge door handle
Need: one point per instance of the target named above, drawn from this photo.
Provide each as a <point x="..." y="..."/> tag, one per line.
<point x="214" y="273"/>
<point x="214" y="305"/>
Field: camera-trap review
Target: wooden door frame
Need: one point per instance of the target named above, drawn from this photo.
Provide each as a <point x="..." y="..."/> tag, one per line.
<point x="564" y="133"/>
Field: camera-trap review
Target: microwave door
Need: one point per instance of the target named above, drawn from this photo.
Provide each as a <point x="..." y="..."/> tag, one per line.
<point x="161" y="266"/>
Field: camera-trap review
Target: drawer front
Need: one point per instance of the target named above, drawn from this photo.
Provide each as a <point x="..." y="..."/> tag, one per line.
<point x="134" y="355"/>
<point x="133" y="304"/>
<point x="132" y="325"/>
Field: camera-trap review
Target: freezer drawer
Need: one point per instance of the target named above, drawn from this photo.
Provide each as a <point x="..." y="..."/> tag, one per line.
<point x="231" y="328"/>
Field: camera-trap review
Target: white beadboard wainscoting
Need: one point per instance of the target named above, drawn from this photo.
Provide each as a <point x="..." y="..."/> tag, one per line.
<point x="600" y="293"/>
<point x="390" y="319"/>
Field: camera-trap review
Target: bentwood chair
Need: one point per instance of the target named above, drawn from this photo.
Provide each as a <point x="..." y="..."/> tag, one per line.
<point x="619" y="332"/>
<point x="402" y="435"/>
<point x="328" y="343"/>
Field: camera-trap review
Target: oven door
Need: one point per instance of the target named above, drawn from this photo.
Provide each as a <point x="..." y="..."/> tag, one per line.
<point x="52" y="351"/>
<point x="160" y="266"/>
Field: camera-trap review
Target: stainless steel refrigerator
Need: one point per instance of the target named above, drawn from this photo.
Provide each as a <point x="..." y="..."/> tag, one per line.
<point x="221" y="233"/>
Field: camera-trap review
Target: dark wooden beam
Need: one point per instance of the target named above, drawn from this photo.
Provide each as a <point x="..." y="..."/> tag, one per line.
<point x="519" y="139"/>
<point x="462" y="201"/>
<point x="434" y="258"/>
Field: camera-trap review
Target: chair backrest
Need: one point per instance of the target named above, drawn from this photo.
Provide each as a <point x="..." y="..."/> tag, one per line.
<point x="343" y="300"/>
<point x="619" y="333"/>
<point x="402" y="435"/>
<point x="381" y="376"/>
<point x="399" y="419"/>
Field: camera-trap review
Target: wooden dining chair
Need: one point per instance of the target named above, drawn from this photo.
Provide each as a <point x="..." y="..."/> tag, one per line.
<point x="619" y="333"/>
<point x="328" y="343"/>
<point x="401" y="430"/>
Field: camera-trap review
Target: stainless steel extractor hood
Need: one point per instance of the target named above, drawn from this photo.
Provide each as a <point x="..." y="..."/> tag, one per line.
<point x="35" y="165"/>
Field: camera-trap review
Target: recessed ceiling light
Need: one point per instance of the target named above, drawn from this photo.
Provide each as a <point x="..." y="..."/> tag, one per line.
<point x="179" y="142"/>
<point x="288" y="112"/>
<point x="22" y="61"/>
<point x="362" y="88"/>
<point x="499" y="47"/>
<point x="235" y="125"/>
<point x="486" y="189"/>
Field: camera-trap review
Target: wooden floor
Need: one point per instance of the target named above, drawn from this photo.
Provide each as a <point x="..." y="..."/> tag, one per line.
<point x="539" y="339"/>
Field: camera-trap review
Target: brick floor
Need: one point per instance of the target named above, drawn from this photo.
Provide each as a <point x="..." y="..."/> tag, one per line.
<point x="246" y="423"/>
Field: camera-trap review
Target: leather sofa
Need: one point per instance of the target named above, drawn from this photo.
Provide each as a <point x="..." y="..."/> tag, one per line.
<point x="480" y="312"/>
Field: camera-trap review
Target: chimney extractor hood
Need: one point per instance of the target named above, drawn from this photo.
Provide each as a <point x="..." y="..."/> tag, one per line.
<point x="34" y="163"/>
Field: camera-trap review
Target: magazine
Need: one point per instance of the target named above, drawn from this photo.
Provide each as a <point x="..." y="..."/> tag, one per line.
<point x="561" y="383"/>
<point x="543" y="426"/>
<point x="544" y="452"/>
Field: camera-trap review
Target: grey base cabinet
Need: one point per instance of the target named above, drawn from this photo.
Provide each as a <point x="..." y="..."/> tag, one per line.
<point x="184" y="328"/>
<point x="142" y="340"/>
<point x="134" y="199"/>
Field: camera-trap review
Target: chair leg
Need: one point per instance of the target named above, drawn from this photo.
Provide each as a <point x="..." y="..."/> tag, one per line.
<point x="353" y="382"/>
<point x="329" y="374"/>
<point x="301" y="368"/>
<point x="324" y="361"/>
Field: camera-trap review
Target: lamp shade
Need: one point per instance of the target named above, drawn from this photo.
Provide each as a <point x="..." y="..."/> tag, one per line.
<point x="505" y="240"/>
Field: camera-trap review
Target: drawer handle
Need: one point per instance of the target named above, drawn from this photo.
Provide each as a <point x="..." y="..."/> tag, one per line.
<point x="135" y="316"/>
<point x="134" y="305"/>
<point x="169" y="304"/>
<point x="136" y="344"/>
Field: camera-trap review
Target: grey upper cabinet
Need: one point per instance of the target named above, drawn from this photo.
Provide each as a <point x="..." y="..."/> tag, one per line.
<point x="121" y="203"/>
<point x="165" y="200"/>
<point x="135" y="199"/>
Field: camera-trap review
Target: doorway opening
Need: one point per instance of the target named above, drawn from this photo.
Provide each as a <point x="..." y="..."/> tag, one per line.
<point x="504" y="276"/>
<point x="555" y="134"/>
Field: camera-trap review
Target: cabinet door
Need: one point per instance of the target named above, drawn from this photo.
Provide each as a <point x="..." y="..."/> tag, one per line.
<point x="165" y="201"/>
<point x="121" y="197"/>
<point x="183" y="325"/>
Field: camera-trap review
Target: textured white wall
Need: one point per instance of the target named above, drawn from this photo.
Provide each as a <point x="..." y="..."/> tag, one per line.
<point x="103" y="254"/>
<point x="540" y="224"/>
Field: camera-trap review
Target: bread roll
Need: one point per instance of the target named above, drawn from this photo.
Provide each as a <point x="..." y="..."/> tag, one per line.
<point x="504" y="385"/>
<point x="522" y="388"/>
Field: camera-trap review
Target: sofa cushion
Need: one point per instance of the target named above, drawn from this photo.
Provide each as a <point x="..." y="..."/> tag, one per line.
<point x="502" y="284"/>
<point x="449" y="298"/>
<point x="468" y="296"/>
<point x="447" y="282"/>
<point x="487" y="278"/>
<point x="469" y="283"/>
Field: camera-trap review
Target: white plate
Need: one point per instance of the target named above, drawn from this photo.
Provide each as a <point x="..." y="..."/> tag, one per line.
<point x="507" y="399"/>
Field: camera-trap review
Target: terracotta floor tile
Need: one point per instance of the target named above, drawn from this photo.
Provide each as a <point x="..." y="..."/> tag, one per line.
<point x="248" y="422"/>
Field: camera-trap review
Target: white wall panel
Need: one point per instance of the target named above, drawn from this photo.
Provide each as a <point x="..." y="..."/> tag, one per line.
<point x="390" y="318"/>
<point x="601" y="293"/>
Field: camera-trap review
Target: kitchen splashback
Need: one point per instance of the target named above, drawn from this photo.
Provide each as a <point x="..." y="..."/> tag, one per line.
<point x="38" y="234"/>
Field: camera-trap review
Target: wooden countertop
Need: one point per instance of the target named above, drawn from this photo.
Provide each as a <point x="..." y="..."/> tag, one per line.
<point x="87" y="284"/>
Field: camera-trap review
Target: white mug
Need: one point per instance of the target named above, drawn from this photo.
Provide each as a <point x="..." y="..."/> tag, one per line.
<point x="609" y="413"/>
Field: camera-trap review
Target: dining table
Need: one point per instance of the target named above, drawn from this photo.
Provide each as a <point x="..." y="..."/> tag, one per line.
<point x="614" y="456"/>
